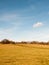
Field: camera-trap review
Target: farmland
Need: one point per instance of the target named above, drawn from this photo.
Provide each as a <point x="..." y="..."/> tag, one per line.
<point x="24" y="54"/>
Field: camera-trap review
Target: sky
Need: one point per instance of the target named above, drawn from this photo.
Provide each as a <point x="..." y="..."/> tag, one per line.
<point x="24" y="20"/>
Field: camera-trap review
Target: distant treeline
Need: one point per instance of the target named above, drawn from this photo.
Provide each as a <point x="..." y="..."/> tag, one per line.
<point x="5" y="41"/>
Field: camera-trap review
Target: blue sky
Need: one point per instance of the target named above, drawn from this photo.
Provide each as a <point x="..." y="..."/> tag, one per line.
<point x="24" y="20"/>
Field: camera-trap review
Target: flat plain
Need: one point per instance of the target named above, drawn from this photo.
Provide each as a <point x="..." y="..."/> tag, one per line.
<point x="24" y="54"/>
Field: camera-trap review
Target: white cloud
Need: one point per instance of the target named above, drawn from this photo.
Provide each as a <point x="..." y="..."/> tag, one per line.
<point x="38" y="24"/>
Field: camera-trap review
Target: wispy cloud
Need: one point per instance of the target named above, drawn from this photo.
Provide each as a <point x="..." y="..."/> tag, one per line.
<point x="38" y="24"/>
<point x="48" y="12"/>
<point x="13" y="19"/>
<point x="8" y="17"/>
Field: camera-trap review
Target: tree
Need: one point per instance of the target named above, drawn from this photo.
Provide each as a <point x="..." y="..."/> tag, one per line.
<point x="5" y="41"/>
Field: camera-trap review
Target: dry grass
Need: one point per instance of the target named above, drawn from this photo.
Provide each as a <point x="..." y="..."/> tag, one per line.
<point x="24" y="54"/>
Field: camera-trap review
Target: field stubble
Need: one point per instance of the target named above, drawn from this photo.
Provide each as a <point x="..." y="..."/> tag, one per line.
<point x="24" y="54"/>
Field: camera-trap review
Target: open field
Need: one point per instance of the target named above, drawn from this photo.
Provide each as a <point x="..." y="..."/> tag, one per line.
<point x="24" y="54"/>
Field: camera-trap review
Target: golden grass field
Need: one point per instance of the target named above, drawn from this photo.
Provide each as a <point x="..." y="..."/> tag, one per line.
<point x="24" y="54"/>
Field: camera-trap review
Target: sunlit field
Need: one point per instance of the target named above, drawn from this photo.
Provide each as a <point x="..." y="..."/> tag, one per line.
<point x="24" y="54"/>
